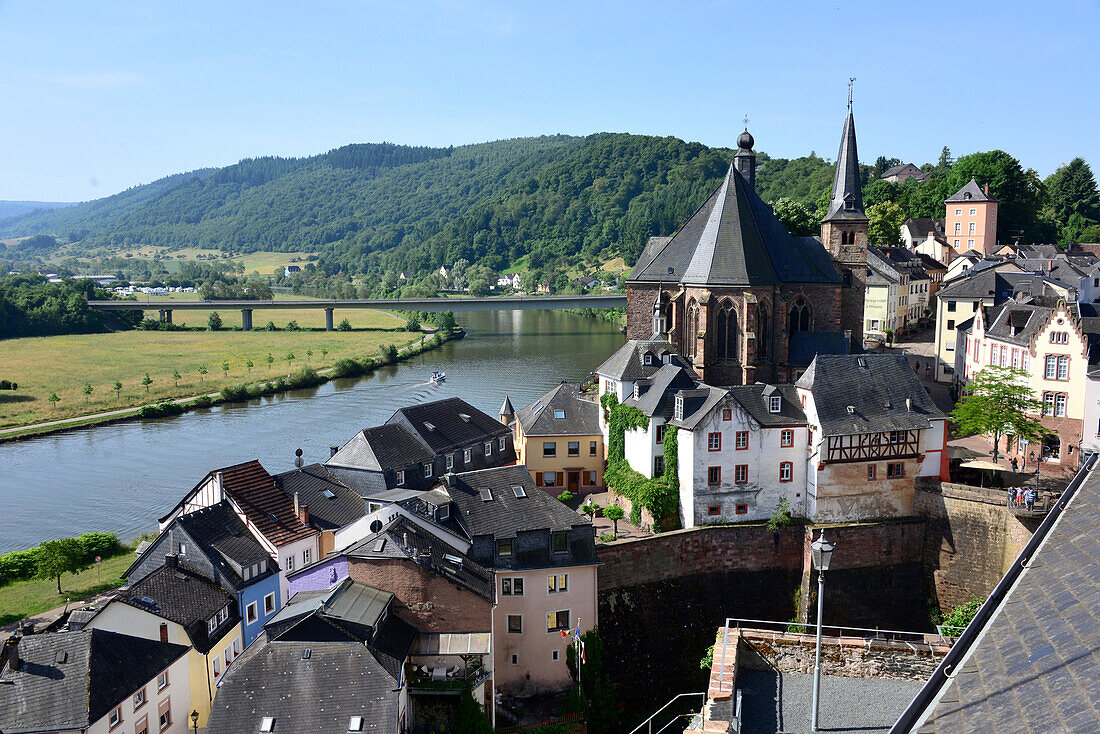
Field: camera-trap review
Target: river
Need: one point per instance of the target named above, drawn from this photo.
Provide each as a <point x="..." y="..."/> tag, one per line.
<point x="122" y="477"/>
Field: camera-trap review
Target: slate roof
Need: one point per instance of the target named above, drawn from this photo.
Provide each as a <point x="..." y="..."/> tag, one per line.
<point x="425" y="548"/>
<point x="904" y="260"/>
<point x="735" y="239"/>
<point x="969" y="193"/>
<point x="579" y="416"/>
<point x="186" y="598"/>
<point x="876" y="386"/>
<point x="847" y="184"/>
<point x="454" y="424"/>
<point x="1035" y="664"/>
<point x="1016" y="321"/>
<point x="318" y="694"/>
<point x="332" y="504"/>
<point x="698" y="403"/>
<point x="755" y="403"/>
<point x="655" y="395"/>
<point x="380" y="448"/>
<point x="996" y="285"/>
<point x="921" y="227"/>
<point x="70" y="680"/>
<point x="506" y="515"/>
<point x="930" y="263"/>
<point x="628" y="361"/>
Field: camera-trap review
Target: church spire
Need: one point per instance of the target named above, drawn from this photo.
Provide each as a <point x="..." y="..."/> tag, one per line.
<point x="847" y="198"/>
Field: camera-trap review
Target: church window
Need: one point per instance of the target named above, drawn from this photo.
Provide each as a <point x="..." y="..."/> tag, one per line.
<point x="692" y="329"/>
<point x="726" y="340"/>
<point x="763" y="332"/>
<point x="800" y="317"/>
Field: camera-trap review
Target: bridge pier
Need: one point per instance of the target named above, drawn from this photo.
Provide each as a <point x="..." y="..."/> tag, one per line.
<point x="166" y="315"/>
<point x="246" y="319"/>
<point x="328" y="318"/>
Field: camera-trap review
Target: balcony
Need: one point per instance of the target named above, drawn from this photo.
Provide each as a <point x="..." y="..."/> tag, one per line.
<point x="1020" y="507"/>
<point x="441" y="662"/>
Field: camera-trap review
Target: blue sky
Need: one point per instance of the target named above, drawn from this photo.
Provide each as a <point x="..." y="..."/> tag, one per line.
<point x="102" y="96"/>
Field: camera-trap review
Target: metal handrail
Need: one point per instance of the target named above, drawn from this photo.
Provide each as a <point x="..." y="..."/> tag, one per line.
<point x="739" y="622"/>
<point x="654" y="714"/>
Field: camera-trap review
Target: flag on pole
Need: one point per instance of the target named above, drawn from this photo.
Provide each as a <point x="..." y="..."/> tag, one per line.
<point x="583" y="659"/>
<point x="564" y="633"/>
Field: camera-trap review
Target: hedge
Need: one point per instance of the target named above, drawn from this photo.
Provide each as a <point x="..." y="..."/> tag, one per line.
<point x="23" y="564"/>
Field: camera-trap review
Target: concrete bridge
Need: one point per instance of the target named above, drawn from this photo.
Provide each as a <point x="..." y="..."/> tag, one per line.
<point x="430" y="305"/>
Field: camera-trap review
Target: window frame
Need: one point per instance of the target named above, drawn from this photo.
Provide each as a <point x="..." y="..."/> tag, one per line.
<point x="518" y="627"/>
<point x="400" y="478"/>
<point x="428" y="470"/>
<point x="559" y="535"/>
<point x="466" y="456"/>
<point x="270" y="596"/>
<point x="570" y="446"/>
<point x="872" y="471"/>
<point x="511" y="586"/>
<point x="714" y="476"/>
<point x="558" y="626"/>
<point x="557" y="583"/>
<point x="593" y="449"/>
<point x="144" y="698"/>
<point x="549" y="449"/>
<point x="251" y="612"/>
<point x="714" y="441"/>
<point x="114" y="718"/>
<point x="488" y="448"/>
<point x="727" y="414"/>
<point x="786" y="438"/>
<point x="789" y="466"/>
<point x="714" y="510"/>
<point x="741" y="474"/>
<point x="163" y="675"/>
<point x="450" y="461"/>
<point x="741" y="441"/>
<point x="501" y="544"/>
<point x="895" y="470"/>
<point x="659" y="433"/>
<point x="741" y="509"/>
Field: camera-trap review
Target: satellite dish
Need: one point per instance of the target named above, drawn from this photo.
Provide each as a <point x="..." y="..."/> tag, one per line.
<point x="298" y="458"/>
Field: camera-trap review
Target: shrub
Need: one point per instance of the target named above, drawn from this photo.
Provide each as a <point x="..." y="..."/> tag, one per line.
<point x="270" y="326"/>
<point x="203" y="401"/>
<point x="781" y="516"/>
<point x="161" y="410"/>
<point x="235" y="393"/>
<point x="18" y="566"/>
<point x="961" y="615"/>
<point x="346" y="368"/>
<point x="345" y="325"/>
<point x="412" y="324"/>
<point x="214" y="322"/>
<point x="293" y="326"/>
<point x="8" y="385"/>
<point x="389" y="353"/>
<point x="99" y="544"/>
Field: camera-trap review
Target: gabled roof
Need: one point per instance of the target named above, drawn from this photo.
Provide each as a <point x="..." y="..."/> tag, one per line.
<point x="655" y="395"/>
<point x="874" y="387"/>
<point x="929" y="263"/>
<point x="315" y="693"/>
<point x="1029" y="662"/>
<point x="271" y="511"/>
<point x="628" y="361"/>
<point x="332" y="504"/>
<point x="184" y="597"/>
<point x="348" y="601"/>
<point x="698" y="404"/>
<point x="561" y="412"/>
<point x="1016" y="321"/>
<point x="382" y="448"/>
<point x="921" y="227"/>
<point x="969" y="193"/>
<point x="755" y="403"/>
<point x="70" y="680"/>
<point x="846" y="201"/>
<point x="449" y="424"/>
<point x="735" y="239"/>
<point x="998" y="285"/>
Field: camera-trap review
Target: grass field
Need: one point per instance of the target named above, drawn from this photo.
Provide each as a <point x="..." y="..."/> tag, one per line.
<point x="63" y="364"/>
<point x="24" y="598"/>
<point x="307" y="318"/>
<point x="265" y="262"/>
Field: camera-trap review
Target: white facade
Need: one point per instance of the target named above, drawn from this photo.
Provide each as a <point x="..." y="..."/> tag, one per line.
<point x="1090" y="433"/>
<point x="169" y="703"/>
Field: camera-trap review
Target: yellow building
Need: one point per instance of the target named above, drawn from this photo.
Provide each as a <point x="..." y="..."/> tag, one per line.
<point x="172" y="604"/>
<point x="558" y="438"/>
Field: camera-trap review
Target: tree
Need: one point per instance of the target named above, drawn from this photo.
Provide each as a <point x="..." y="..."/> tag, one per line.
<point x="214" y="321"/>
<point x="290" y="358"/>
<point x="176" y="376"/>
<point x="446" y="321"/>
<point x="945" y="160"/>
<point x="54" y="399"/>
<point x="324" y="353"/>
<point x="1072" y="191"/>
<point x="590" y="509"/>
<point x="884" y="224"/>
<point x="225" y="368"/>
<point x="345" y="325"/>
<point x="413" y="324"/>
<point x="882" y="165"/>
<point x="202" y="372"/>
<point x="87" y="390"/>
<point x="270" y="360"/>
<point x="147" y="381"/>
<point x="309" y="354"/>
<point x="599" y="699"/>
<point x="249" y="364"/>
<point x="469" y="717"/>
<point x="999" y="403"/>
<point x="796" y="217"/>
<point x="118" y="388"/>
<point x="614" y="513"/>
<point x="55" y="557"/>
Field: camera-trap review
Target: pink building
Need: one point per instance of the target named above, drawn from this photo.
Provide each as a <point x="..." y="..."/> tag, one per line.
<point x="971" y="219"/>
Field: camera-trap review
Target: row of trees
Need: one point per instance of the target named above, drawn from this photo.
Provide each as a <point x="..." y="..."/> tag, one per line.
<point x="31" y="306"/>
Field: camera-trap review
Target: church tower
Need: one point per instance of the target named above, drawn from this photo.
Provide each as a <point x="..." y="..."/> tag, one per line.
<point x="844" y="229"/>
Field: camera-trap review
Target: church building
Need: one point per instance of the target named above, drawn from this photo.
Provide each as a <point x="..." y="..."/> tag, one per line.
<point x="740" y="297"/>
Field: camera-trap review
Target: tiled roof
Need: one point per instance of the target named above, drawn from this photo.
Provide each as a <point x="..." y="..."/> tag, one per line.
<point x="846" y="201"/>
<point x="315" y="693"/>
<point x="449" y="424"/>
<point x="755" y="403"/>
<point x="70" y="680"/>
<point x="968" y="193"/>
<point x="867" y="394"/>
<point x="427" y="549"/>
<point x="1034" y="665"/>
<point x="260" y="499"/>
<point x="735" y="239"/>
<point x="561" y="412"/>
<point x="628" y="361"/>
<point x="655" y="395"/>
<point x="184" y="597"/>
<point x="506" y="514"/>
<point x="381" y="448"/>
<point x="332" y="504"/>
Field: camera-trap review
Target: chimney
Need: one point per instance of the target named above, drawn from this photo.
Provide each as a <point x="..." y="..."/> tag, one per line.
<point x="304" y="515"/>
<point x="405" y="539"/>
<point x="10" y="653"/>
<point x="332" y="451"/>
<point x="172" y="560"/>
<point x="987" y="189"/>
<point x="908" y="405"/>
<point x="297" y="509"/>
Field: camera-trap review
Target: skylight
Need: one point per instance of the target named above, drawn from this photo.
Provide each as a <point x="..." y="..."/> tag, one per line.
<point x="233" y="530"/>
<point x="559" y="413"/>
<point x="328" y="493"/>
<point x="485" y="494"/>
<point x="267" y="723"/>
<point x="355" y="723"/>
<point x="306" y="654"/>
<point x="379" y="545"/>
<point x="429" y="426"/>
<point x="519" y="491"/>
<point x="464" y="417"/>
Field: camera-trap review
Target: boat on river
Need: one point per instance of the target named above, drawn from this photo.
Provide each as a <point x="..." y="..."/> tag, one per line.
<point x="439" y="376"/>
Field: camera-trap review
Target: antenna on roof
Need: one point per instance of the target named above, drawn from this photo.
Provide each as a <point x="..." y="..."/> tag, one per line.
<point x="298" y="459"/>
<point x="851" y="81"/>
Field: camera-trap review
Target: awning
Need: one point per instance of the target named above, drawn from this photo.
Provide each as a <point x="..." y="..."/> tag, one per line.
<point x="466" y="643"/>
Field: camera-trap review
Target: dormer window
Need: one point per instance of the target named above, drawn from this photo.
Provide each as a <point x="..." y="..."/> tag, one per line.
<point x="678" y="408"/>
<point x="647" y="359"/>
<point x="443" y="512"/>
<point x="775" y="404"/>
<point x="400" y="477"/>
<point x="428" y="470"/>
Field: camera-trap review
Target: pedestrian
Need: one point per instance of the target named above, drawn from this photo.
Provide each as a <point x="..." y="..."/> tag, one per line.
<point x="1015" y="463"/>
<point x="1029" y="495"/>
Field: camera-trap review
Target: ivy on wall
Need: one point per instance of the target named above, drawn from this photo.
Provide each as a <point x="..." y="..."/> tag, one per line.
<point x="660" y="496"/>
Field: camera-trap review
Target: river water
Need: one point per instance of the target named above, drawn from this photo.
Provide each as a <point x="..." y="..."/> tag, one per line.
<point x="122" y="477"/>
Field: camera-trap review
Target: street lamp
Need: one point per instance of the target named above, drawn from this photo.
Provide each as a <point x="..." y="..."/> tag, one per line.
<point x="195" y="720"/>
<point x="1038" y="465"/>
<point x="822" y="553"/>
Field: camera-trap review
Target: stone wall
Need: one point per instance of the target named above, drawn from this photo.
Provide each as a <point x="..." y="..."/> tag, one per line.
<point x="971" y="539"/>
<point x="424" y="599"/>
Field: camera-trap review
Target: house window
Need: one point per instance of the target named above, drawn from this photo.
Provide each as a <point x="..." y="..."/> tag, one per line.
<point x="894" y="471"/>
<point x="810" y="436"/>
<point x="740" y="473"/>
<point x="250" y="613"/>
<point x="550" y="479"/>
<point x="217" y="667"/>
<point x="549" y="448"/>
<point x="427" y="470"/>
<point x="958" y="227"/>
<point x="504" y="547"/>
<point x="140" y="699"/>
<point x="1059" y="337"/>
<point x="212" y="624"/>
<point x="515" y="658"/>
<point x="162" y="681"/>
<point x="678" y="408"/>
<point x="658" y="465"/>
<point x="741" y="440"/>
<point x="647" y="359"/>
<point x="1060" y="405"/>
<point x="897" y="436"/>
<point x="786" y="468"/>
<point x="956" y="245"/>
<point x="742" y="509"/>
<point x="501" y="443"/>
<point x="466" y="456"/>
<point x="515" y="624"/>
<point x="236" y="646"/>
<point x="870" y="472"/>
<point x="400" y="478"/>
<point x="775" y="403"/>
<point x="714" y="510"/>
<point x="269" y="603"/>
<point x="786" y="438"/>
<point x="950" y="326"/>
<point x="557" y="583"/>
<point x="714" y="442"/>
<point x="115" y="717"/>
<point x="557" y="621"/>
<point x="973" y="212"/>
<point x="142" y="726"/>
<point x="714" y="475"/>
<point x="1063" y="368"/>
<point x="164" y="711"/>
<point x="660" y="433"/>
<point x="951" y="305"/>
<point x="573" y="448"/>
<point x="590" y="478"/>
<point x="970" y="243"/>
<point x="512" y="586"/>
<point x="450" y="461"/>
<point x="554" y="655"/>
<point x="973" y="226"/>
<point x="958" y="212"/>
<point x="591" y="448"/>
<point x="727" y="414"/>
<point x="290" y="563"/>
<point x="488" y="448"/>
<point x="560" y="541"/>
